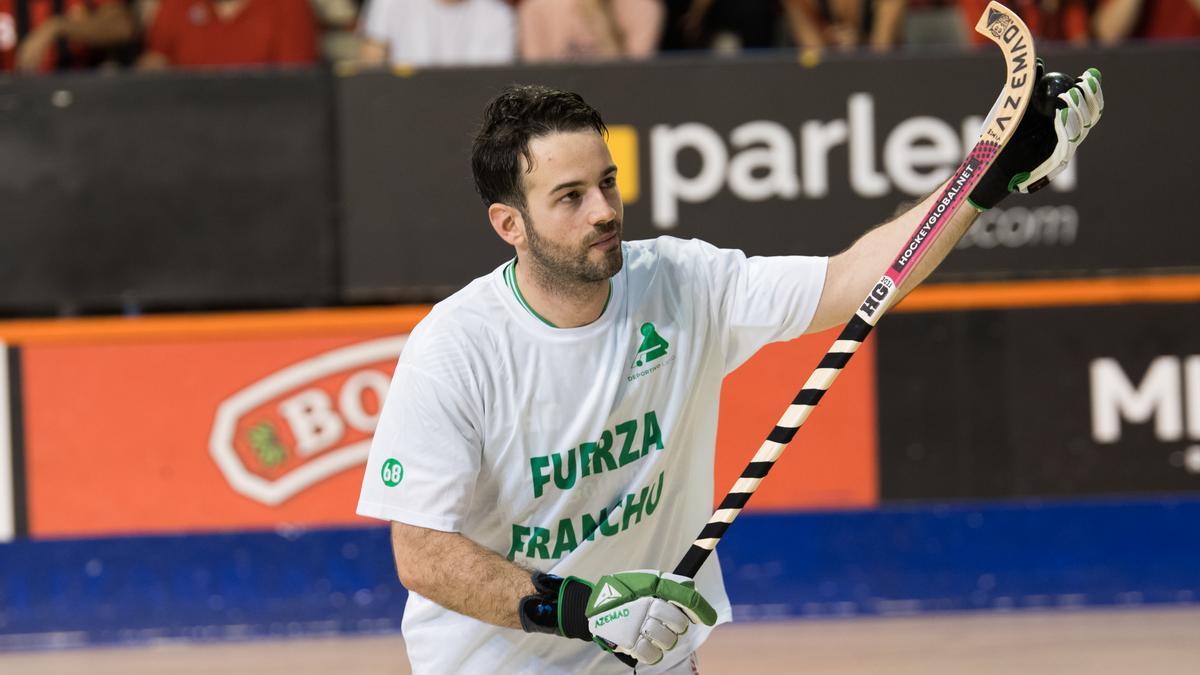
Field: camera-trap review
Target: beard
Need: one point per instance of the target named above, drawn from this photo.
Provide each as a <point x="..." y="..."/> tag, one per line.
<point x="565" y="269"/>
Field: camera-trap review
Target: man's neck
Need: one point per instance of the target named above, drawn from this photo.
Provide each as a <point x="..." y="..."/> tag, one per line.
<point x="562" y="306"/>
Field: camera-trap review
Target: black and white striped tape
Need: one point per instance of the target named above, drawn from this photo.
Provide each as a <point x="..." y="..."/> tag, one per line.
<point x="831" y="365"/>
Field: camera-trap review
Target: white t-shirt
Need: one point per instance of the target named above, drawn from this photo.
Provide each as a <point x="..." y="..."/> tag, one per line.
<point x="578" y="451"/>
<point x="439" y="33"/>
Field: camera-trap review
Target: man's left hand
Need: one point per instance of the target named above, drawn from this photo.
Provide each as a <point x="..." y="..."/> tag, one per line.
<point x="643" y="613"/>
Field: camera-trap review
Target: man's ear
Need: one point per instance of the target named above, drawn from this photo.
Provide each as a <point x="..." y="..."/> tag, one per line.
<point x="508" y="223"/>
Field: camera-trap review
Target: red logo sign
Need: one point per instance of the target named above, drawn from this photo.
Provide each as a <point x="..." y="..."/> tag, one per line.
<point x="304" y="423"/>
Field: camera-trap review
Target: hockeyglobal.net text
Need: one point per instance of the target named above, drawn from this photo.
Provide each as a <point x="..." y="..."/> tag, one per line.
<point x="935" y="217"/>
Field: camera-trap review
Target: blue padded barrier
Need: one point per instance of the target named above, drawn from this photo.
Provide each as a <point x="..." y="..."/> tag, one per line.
<point x="212" y="586"/>
<point x="895" y="560"/>
<point x="964" y="557"/>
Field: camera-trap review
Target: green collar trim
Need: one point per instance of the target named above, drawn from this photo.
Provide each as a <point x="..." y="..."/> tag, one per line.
<point x="510" y="279"/>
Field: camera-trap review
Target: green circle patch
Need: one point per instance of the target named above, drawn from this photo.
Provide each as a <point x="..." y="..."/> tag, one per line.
<point x="393" y="472"/>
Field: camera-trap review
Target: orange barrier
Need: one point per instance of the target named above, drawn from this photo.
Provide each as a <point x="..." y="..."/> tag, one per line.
<point x="92" y="330"/>
<point x="1053" y="293"/>
<point x="927" y="298"/>
<point x="832" y="462"/>
<point x="179" y="436"/>
<point x="233" y="433"/>
<point x="244" y="420"/>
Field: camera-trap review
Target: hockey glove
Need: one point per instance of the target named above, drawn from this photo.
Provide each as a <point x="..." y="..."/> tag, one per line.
<point x="637" y="615"/>
<point x="1057" y="120"/>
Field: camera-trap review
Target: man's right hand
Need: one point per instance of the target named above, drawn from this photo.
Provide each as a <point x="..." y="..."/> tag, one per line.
<point x="639" y="614"/>
<point x="642" y="613"/>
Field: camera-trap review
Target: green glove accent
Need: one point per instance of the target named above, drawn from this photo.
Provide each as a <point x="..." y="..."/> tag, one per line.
<point x="642" y="613"/>
<point x="618" y="589"/>
<point x="685" y="595"/>
<point x="637" y="615"/>
<point x="572" y="608"/>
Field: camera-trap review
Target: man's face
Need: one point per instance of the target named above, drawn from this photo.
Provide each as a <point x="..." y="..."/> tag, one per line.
<point x="573" y="209"/>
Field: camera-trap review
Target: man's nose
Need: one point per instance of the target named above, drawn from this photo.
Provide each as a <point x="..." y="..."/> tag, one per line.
<point x="599" y="210"/>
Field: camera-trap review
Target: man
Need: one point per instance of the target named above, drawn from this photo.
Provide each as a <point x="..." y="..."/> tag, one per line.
<point x="40" y="36"/>
<point x="588" y="30"/>
<point x="423" y="33"/>
<point x="554" y="422"/>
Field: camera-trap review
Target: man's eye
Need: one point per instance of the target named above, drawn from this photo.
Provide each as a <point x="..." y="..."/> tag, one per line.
<point x="569" y="197"/>
<point x="609" y="182"/>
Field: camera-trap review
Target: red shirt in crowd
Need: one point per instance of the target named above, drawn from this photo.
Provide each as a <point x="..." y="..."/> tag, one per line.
<point x="1070" y="19"/>
<point x="1040" y="25"/>
<point x="12" y="32"/>
<point x="1168" y="19"/>
<point x="264" y="32"/>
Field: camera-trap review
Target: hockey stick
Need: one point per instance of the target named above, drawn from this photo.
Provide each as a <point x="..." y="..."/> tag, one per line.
<point x="1007" y="30"/>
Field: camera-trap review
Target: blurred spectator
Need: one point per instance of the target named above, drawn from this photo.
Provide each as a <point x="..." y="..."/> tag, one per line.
<point x="722" y="25"/>
<point x="1065" y="20"/>
<point x="845" y="24"/>
<point x="337" y="21"/>
<point x="1116" y="20"/>
<point x="224" y="33"/>
<point x="37" y="36"/>
<point x="971" y="10"/>
<point x="586" y="30"/>
<point x="438" y="32"/>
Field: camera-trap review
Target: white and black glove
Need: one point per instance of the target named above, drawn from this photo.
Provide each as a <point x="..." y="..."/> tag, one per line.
<point x="637" y="615"/>
<point x="1057" y="120"/>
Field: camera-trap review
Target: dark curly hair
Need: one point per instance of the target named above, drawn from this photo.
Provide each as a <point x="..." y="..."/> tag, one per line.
<point x="517" y="115"/>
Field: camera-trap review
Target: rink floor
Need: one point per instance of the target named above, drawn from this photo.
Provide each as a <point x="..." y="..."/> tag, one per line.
<point x="1147" y="641"/>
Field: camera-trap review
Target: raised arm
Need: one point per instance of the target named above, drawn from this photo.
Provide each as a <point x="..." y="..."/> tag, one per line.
<point x="852" y="273"/>
<point x="1057" y="120"/>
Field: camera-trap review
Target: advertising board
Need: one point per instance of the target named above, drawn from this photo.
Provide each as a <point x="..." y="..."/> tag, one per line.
<point x="169" y="191"/>
<point x="203" y="432"/>
<point x="1101" y="400"/>
<point x="207" y="435"/>
<point x="771" y="157"/>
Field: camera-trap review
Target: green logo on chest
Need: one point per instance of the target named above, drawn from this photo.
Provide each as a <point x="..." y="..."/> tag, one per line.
<point x="653" y="346"/>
